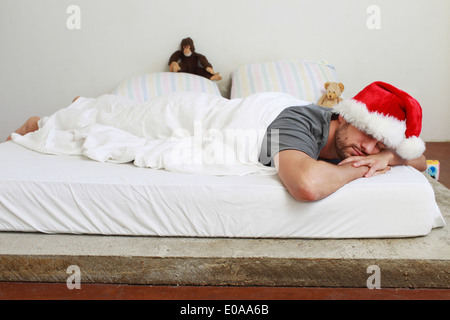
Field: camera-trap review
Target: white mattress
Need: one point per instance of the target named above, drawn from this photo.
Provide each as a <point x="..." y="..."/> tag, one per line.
<point x="71" y="194"/>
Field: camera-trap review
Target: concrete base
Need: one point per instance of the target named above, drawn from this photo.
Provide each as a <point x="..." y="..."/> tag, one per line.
<point x="422" y="262"/>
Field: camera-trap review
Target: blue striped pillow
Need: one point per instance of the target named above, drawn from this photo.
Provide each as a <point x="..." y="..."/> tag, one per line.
<point x="144" y="87"/>
<point x="301" y="78"/>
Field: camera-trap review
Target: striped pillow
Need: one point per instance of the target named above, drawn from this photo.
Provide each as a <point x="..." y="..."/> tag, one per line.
<point x="301" y="78"/>
<point x="144" y="87"/>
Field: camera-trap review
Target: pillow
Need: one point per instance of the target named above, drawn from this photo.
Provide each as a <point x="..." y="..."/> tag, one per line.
<point x="144" y="87"/>
<point x="301" y="78"/>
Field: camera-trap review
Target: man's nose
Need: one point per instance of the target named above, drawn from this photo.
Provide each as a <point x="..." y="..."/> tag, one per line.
<point x="370" y="146"/>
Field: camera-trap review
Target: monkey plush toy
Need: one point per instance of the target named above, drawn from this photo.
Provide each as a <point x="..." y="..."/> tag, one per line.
<point x="187" y="60"/>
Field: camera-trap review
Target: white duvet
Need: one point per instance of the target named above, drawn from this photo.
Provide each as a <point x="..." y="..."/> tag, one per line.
<point x="182" y="132"/>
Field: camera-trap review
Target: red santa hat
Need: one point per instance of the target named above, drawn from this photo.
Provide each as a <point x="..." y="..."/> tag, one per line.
<point x="388" y="114"/>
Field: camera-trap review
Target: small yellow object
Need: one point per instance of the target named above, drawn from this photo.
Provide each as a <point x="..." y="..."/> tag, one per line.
<point x="433" y="168"/>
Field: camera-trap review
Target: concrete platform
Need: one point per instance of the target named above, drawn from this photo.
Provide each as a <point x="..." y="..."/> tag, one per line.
<point x="422" y="262"/>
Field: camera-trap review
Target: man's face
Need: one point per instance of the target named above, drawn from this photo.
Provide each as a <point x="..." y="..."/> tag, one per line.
<point x="352" y="142"/>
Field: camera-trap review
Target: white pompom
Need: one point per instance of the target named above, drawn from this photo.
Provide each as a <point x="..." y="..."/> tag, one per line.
<point x="411" y="148"/>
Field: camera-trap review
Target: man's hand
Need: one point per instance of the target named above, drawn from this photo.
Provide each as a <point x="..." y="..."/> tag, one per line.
<point x="210" y="70"/>
<point x="381" y="162"/>
<point x="378" y="163"/>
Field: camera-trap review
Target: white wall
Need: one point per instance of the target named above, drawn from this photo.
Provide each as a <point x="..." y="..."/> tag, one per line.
<point x="44" y="65"/>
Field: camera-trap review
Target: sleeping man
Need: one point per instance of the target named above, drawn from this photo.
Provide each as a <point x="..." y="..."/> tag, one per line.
<point x="367" y="135"/>
<point x="375" y="130"/>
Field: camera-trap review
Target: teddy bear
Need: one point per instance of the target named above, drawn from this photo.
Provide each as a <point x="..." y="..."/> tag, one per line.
<point x="187" y="60"/>
<point x="332" y="97"/>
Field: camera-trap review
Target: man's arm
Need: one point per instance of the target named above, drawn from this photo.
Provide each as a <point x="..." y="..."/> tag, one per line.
<point x="308" y="179"/>
<point x="395" y="160"/>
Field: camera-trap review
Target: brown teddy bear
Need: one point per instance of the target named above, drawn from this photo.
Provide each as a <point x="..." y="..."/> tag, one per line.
<point x="187" y="60"/>
<point x="332" y="97"/>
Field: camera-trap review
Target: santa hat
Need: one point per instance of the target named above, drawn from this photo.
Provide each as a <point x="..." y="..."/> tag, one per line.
<point x="388" y="114"/>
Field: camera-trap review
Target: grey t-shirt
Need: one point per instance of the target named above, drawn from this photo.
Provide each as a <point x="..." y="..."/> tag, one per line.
<point x="302" y="128"/>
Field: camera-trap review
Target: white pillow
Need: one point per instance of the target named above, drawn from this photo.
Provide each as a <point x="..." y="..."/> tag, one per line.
<point x="301" y="78"/>
<point x="144" y="87"/>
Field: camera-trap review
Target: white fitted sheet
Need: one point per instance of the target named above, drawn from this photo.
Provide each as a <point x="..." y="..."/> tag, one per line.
<point x="72" y="194"/>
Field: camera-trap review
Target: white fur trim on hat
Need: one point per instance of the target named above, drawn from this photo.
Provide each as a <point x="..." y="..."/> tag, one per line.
<point x="386" y="129"/>
<point x="411" y="148"/>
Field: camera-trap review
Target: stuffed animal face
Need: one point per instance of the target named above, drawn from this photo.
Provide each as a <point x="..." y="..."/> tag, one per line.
<point x="187" y="46"/>
<point x="334" y="90"/>
<point x="187" y="51"/>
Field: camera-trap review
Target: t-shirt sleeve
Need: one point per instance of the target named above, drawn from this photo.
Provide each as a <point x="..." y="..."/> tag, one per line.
<point x="296" y="128"/>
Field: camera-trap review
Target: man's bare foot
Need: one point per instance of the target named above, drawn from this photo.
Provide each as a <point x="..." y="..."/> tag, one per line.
<point x="29" y="126"/>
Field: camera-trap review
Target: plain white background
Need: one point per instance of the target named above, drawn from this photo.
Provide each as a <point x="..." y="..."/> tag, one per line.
<point x="44" y="64"/>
